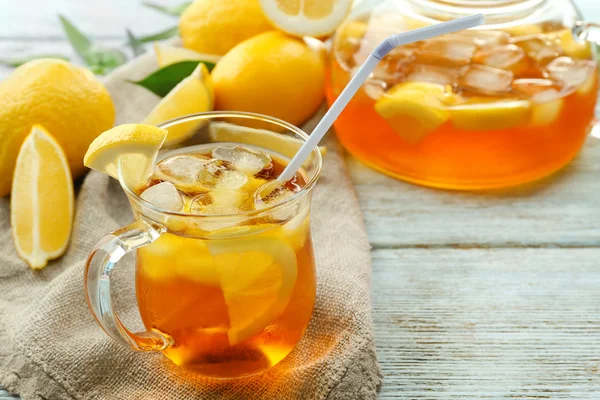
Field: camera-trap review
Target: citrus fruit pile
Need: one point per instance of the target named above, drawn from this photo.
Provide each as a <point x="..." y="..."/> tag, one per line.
<point x="265" y="62"/>
<point x="51" y="111"/>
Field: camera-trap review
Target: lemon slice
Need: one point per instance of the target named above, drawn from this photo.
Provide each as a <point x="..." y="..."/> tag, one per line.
<point x="297" y="230"/>
<point x="193" y="261"/>
<point x="415" y="109"/>
<point x="524" y="30"/>
<point x="136" y="144"/>
<point x="42" y="199"/>
<point x="571" y="46"/>
<point x="192" y="95"/>
<point x="307" y="17"/>
<point x="546" y="107"/>
<point x="167" y="55"/>
<point x="484" y="114"/>
<point x="283" y="144"/>
<point x="257" y="276"/>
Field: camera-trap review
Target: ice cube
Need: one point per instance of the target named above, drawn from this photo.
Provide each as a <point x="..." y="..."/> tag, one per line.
<point x="220" y="174"/>
<point x="486" y="80"/>
<point x="532" y="87"/>
<point x="374" y="88"/>
<point x="538" y="48"/>
<point x="218" y="203"/>
<point x="164" y="195"/>
<point x="433" y="74"/>
<point x="447" y="52"/>
<point x="483" y="38"/>
<point x="245" y="160"/>
<point x="570" y="72"/>
<point x="273" y="193"/>
<point x="392" y="68"/>
<point x="509" y="57"/>
<point x="181" y="170"/>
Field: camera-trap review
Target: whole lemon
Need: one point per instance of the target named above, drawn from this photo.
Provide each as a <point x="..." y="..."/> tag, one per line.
<point x="69" y="102"/>
<point x="215" y="26"/>
<point x="272" y="74"/>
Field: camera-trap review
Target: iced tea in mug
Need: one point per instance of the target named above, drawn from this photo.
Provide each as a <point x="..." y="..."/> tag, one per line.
<point x="484" y="108"/>
<point x="225" y="273"/>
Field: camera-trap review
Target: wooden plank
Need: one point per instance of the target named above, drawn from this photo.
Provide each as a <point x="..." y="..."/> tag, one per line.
<point x="560" y="211"/>
<point x="488" y="323"/>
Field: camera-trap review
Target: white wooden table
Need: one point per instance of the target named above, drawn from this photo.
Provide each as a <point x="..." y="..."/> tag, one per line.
<point x="482" y="296"/>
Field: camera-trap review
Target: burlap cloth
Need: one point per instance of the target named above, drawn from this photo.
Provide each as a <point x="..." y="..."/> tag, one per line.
<point x="51" y="347"/>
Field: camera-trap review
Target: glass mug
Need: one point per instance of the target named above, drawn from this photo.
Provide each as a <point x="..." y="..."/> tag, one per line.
<point x="503" y="104"/>
<point x="224" y="295"/>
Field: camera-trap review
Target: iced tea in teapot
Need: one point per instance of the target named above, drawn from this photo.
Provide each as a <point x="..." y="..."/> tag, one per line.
<point x="478" y="109"/>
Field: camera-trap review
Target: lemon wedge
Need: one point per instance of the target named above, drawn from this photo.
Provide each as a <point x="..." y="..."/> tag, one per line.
<point x="167" y="55"/>
<point x="192" y="95"/>
<point x="308" y="17"/>
<point x="42" y="200"/>
<point x="283" y="144"/>
<point x="415" y="109"/>
<point x="135" y="144"/>
<point x="485" y="114"/>
<point x="257" y="276"/>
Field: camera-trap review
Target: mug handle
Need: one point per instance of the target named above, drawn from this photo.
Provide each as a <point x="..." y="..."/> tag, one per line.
<point x="100" y="264"/>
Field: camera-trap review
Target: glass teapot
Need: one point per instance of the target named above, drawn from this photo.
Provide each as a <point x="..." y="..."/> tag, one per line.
<point x="500" y="105"/>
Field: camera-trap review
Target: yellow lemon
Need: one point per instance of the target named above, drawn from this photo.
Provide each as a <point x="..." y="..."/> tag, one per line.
<point x="257" y="276"/>
<point x="414" y="109"/>
<point x="192" y="95"/>
<point x="231" y="133"/>
<point x="41" y="212"/>
<point x="272" y="74"/>
<point x="307" y="17"/>
<point x="215" y="26"/>
<point x="135" y="145"/>
<point x="571" y="46"/>
<point x="68" y="101"/>
<point x="167" y="55"/>
<point x="481" y="114"/>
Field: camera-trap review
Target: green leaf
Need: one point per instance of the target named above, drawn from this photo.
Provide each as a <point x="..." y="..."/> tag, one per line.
<point x="134" y="43"/>
<point x="162" y="81"/>
<point x="78" y="40"/>
<point x="102" y="60"/>
<point x="162" y="35"/>
<point x="15" y="62"/>
<point x="175" y="11"/>
<point x="99" y="59"/>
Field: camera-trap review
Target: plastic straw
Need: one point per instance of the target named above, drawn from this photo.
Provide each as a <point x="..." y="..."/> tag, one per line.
<point x="361" y="76"/>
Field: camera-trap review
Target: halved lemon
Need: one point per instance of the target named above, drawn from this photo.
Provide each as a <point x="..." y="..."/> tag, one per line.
<point x="192" y="95"/>
<point x="167" y="55"/>
<point x="42" y="199"/>
<point x="136" y="145"/>
<point x="306" y="17"/>
<point x="257" y="276"/>
<point x="414" y="109"/>
<point x="280" y="143"/>
<point x="482" y="114"/>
